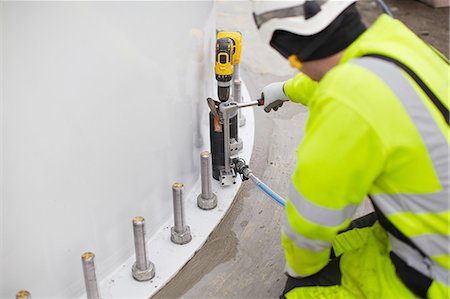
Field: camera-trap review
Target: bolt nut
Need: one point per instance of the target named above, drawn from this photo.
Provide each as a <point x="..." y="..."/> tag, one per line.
<point x="143" y="275"/>
<point x="182" y="238"/>
<point x="207" y="204"/>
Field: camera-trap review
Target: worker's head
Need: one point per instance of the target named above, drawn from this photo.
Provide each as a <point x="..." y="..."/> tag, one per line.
<point x="305" y="32"/>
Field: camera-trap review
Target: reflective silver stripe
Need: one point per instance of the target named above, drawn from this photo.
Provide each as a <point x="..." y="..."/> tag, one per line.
<point x="291" y="272"/>
<point x="317" y="214"/>
<point x="432" y="244"/>
<point x="416" y="203"/>
<point x="437" y="148"/>
<point x="302" y="242"/>
<point x="415" y="260"/>
<point x="429" y="131"/>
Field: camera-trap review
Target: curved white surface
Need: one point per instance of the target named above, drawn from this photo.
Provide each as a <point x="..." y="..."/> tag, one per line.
<point x="102" y="110"/>
<point x="167" y="256"/>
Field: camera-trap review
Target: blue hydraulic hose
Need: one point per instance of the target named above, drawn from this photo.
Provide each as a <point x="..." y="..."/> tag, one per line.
<point x="272" y="194"/>
<point x="267" y="190"/>
<point x="242" y="169"/>
<point x="385" y="8"/>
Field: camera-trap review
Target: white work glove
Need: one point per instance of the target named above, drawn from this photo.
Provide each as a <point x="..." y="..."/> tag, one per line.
<point x="274" y="97"/>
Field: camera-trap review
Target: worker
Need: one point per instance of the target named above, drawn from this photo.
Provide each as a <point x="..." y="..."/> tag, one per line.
<point x="379" y="127"/>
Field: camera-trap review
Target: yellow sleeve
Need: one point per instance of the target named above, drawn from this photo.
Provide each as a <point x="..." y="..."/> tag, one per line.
<point x="339" y="159"/>
<point x="300" y="89"/>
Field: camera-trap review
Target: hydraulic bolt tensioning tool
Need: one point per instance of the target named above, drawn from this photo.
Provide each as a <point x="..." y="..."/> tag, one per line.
<point x="223" y="129"/>
<point x="223" y="116"/>
<point x="236" y="91"/>
<point x="221" y="145"/>
<point x="225" y="144"/>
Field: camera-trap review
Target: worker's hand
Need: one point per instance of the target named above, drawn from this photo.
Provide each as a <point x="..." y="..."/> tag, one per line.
<point x="274" y="97"/>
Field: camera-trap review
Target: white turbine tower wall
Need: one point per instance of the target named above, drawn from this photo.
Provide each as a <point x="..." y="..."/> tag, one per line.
<point x="101" y="105"/>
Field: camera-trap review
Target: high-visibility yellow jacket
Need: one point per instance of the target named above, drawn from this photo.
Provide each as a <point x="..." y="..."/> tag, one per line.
<point x="373" y="130"/>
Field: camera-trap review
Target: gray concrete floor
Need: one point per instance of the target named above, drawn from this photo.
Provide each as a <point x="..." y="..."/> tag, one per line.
<point x="243" y="257"/>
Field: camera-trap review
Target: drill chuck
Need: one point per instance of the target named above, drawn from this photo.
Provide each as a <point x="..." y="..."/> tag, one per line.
<point x="223" y="92"/>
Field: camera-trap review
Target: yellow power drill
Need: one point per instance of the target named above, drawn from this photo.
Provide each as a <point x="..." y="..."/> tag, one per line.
<point x="236" y="37"/>
<point x="224" y="67"/>
<point x="228" y="55"/>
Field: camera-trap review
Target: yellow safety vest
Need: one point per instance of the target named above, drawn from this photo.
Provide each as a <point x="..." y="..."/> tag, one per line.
<point x="373" y="130"/>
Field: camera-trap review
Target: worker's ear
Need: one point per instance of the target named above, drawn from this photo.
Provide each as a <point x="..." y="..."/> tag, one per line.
<point x="295" y="62"/>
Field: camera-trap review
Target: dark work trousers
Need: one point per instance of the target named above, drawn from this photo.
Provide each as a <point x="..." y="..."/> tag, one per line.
<point x="330" y="275"/>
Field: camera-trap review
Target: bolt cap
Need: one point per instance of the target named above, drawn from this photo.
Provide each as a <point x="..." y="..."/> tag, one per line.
<point x="177" y="185"/>
<point x="138" y="220"/>
<point x="87" y="256"/>
<point x="182" y="238"/>
<point x="205" y="154"/>
<point x="23" y="295"/>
